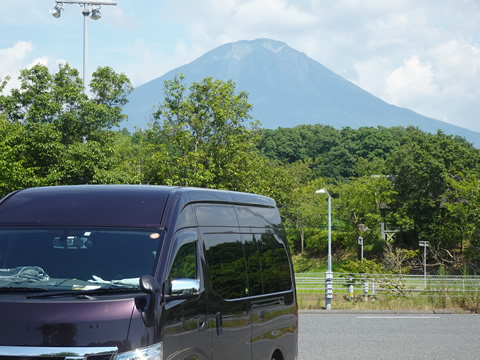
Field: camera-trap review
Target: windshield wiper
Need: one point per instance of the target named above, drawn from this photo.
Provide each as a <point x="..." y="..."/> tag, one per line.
<point x="22" y="289"/>
<point x="86" y="293"/>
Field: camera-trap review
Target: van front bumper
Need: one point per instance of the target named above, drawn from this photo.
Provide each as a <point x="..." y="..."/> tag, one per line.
<point x="154" y="352"/>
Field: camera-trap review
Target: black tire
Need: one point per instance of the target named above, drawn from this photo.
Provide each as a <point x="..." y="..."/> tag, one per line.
<point x="277" y="356"/>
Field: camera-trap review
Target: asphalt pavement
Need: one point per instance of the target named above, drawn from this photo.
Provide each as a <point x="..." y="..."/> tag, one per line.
<point x="392" y="335"/>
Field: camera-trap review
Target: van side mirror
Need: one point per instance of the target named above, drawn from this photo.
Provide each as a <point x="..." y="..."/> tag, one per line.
<point x="151" y="287"/>
<point x="184" y="289"/>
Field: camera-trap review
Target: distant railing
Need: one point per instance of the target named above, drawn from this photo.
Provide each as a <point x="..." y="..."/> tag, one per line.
<point x="373" y="285"/>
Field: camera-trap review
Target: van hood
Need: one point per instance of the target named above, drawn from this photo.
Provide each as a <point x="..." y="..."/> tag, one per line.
<point x="71" y="323"/>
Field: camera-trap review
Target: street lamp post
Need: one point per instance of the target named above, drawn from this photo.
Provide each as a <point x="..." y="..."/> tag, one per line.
<point x="328" y="273"/>
<point x="425" y="244"/>
<point x="360" y="242"/>
<point x="90" y="8"/>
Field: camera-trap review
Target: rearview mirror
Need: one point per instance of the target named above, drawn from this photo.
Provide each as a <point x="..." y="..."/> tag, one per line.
<point x="150" y="313"/>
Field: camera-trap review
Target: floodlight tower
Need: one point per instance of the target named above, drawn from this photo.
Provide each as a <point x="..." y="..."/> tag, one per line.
<point x="90" y="8"/>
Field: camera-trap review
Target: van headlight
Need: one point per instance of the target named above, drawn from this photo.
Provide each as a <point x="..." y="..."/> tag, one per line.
<point x="154" y="352"/>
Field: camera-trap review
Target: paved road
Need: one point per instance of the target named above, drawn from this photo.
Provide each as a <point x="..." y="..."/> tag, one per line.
<point x="388" y="336"/>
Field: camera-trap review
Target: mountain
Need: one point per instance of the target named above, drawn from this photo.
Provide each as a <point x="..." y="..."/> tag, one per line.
<point x="286" y="89"/>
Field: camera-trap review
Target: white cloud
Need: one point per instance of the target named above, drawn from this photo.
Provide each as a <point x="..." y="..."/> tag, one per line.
<point x="409" y="81"/>
<point x="11" y="57"/>
<point x="12" y="60"/>
<point x="211" y="23"/>
<point x="16" y="58"/>
<point x="268" y="15"/>
<point x="442" y="83"/>
<point x="39" y="61"/>
<point x="457" y="67"/>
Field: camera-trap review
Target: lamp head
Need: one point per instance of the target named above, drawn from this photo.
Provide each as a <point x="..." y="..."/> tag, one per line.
<point x="96" y="14"/>
<point x="57" y="10"/>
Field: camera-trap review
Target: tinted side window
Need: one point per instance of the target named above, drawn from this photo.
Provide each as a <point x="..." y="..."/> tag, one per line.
<point x="216" y="215"/>
<point x="249" y="216"/>
<point x="275" y="264"/>
<point x="226" y="265"/>
<point x="184" y="265"/>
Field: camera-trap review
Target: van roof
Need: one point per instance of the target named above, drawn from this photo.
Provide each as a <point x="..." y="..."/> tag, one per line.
<point x="109" y="205"/>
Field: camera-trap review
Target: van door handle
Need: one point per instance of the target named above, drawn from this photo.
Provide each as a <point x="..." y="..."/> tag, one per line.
<point x="219" y="322"/>
<point x="202" y="325"/>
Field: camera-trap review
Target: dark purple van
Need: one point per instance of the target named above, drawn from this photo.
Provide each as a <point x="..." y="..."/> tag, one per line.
<point x="126" y="272"/>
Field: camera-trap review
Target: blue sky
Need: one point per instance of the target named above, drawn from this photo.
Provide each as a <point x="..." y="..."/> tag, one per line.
<point x="422" y="55"/>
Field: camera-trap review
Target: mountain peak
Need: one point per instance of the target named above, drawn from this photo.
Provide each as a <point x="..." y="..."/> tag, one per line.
<point x="286" y="88"/>
<point x="274" y="46"/>
<point x="241" y="48"/>
<point x="237" y="51"/>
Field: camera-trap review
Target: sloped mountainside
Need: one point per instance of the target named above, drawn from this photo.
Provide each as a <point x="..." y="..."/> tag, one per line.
<point x="286" y="89"/>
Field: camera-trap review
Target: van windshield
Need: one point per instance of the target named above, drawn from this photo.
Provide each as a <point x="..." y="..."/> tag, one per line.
<point x="67" y="258"/>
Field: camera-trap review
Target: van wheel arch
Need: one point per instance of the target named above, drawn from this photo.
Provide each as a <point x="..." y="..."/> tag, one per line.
<point x="277" y="355"/>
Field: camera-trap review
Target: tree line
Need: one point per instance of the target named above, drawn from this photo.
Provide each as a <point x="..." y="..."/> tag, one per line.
<point x="422" y="187"/>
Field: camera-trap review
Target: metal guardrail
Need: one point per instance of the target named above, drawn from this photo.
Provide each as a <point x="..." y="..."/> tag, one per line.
<point x="349" y="284"/>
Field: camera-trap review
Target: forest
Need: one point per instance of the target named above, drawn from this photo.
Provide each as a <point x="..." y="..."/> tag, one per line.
<point x="393" y="187"/>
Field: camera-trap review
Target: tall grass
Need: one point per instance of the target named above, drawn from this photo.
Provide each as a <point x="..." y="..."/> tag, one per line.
<point x="417" y="303"/>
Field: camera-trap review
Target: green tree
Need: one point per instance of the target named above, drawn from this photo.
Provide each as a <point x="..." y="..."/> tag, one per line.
<point x="358" y="208"/>
<point x="131" y="150"/>
<point x="199" y="137"/>
<point x="336" y="153"/>
<point x="422" y="170"/>
<point x="53" y="133"/>
<point x="460" y="225"/>
<point x="304" y="210"/>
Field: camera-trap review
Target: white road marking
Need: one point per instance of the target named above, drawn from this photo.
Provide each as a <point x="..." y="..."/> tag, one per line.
<point x="399" y="317"/>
